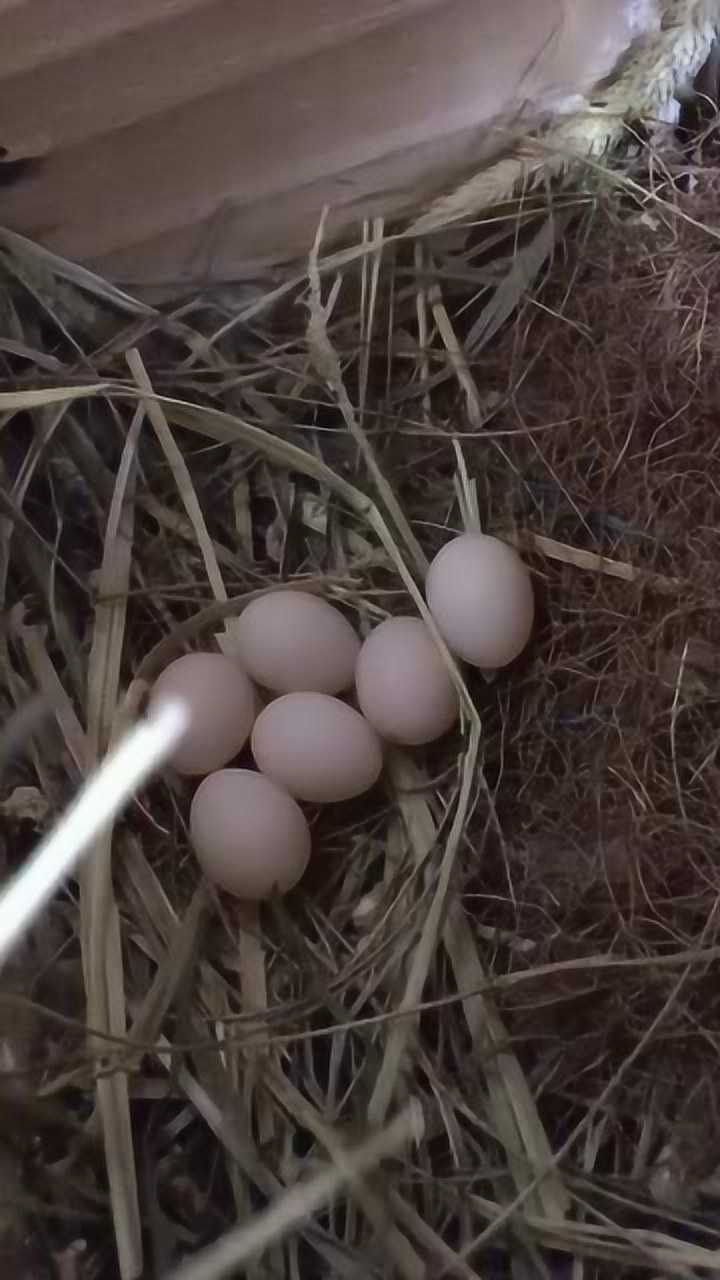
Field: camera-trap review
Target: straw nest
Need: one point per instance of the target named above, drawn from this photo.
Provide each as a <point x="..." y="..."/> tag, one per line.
<point x="482" y="1039"/>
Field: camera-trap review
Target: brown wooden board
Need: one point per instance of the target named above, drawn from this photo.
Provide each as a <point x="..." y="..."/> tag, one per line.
<point x="186" y="140"/>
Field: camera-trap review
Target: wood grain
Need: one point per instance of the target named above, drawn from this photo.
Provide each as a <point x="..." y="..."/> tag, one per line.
<point x="183" y="140"/>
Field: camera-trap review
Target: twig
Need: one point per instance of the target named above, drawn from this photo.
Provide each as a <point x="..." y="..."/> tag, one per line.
<point x="422" y="958"/>
<point x="525" y="540"/>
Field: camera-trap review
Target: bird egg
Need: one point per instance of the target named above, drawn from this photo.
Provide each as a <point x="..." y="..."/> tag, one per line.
<point x="318" y="747"/>
<point x="250" y="836"/>
<point x="481" y="598"/>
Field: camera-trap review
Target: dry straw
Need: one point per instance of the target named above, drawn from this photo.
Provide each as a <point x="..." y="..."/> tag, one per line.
<point x="521" y="931"/>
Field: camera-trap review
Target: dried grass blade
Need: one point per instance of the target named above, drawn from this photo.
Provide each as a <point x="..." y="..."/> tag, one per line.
<point x="100" y="924"/>
<point x="333" y="262"/>
<point x="526" y="264"/>
<point x="251" y="954"/>
<point x="173" y="973"/>
<point x="399" y="1250"/>
<point x="18" y="401"/>
<point x="457" y="358"/>
<point x="226" y="428"/>
<point x="254" y="995"/>
<point x="296" y="1206"/>
<point x="368" y="323"/>
<point x="525" y="540"/>
<point x="143" y="886"/>
<point x="483" y="190"/>
<point x="416" y="1226"/>
<point x="634" y="1247"/>
<point x="48" y="680"/>
<point x="63" y="269"/>
<point x="425" y="950"/>
<point x="514" y="1114"/>
<point x="328" y="365"/>
<point x="230" y="1132"/>
<point x="158" y="924"/>
<point x="180" y="472"/>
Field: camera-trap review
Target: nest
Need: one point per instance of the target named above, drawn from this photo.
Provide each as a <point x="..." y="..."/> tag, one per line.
<point x="516" y="936"/>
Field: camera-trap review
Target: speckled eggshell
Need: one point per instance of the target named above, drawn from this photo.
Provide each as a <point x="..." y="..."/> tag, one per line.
<point x="250" y="836"/>
<point x="481" y="597"/>
<point x="403" y="686"/>
<point x="294" y="642"/>
<point x="222" y="702"/>
<point x="317" y="747"/>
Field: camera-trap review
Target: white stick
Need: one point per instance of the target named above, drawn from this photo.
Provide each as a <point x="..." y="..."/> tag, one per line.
<point x="143" y="749"/>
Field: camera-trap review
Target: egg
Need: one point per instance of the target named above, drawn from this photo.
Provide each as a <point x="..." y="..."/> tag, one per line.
<point x="250" y="836"/>
<point x="317" y="747"/>
<point x="403" y="686"/>
<point x="294" y="642"/>
<point x="481" y="598"/>
<point x="222" y="703"/>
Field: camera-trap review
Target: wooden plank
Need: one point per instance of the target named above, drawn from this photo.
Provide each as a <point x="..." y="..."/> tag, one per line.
<point x="220" y="151"/>
<point x="240" y="240"/>
<point x="35" y="32"/>
<point x="138" y="71"/>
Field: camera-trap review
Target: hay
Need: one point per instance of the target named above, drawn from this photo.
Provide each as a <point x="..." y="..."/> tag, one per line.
<point x="520" y="930"/>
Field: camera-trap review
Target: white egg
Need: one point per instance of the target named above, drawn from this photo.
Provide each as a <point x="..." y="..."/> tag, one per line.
<point x="293" y="642"/>
<point x="317" y="747"/>
<point x="403" y="685"/>
<point x="222" y="702"/>
<point x="250" y="836"/>
<point x="481" y="598"/>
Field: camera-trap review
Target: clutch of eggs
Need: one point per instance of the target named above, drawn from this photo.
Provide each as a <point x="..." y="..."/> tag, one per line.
<point x="249" y="832"/>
